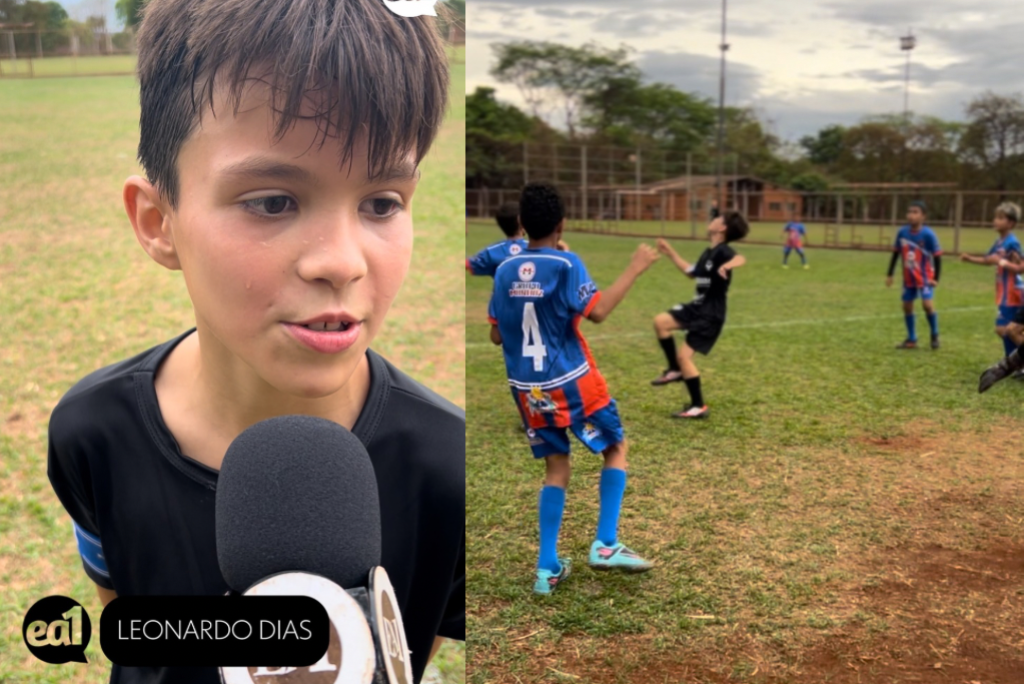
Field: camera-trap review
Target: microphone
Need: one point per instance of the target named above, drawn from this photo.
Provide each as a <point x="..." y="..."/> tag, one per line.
<point x="297" y="513"/>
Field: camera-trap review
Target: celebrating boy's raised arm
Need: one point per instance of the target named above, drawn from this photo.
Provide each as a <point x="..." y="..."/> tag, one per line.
<point x="665" y="248"/>
<point x="642" y="259"/>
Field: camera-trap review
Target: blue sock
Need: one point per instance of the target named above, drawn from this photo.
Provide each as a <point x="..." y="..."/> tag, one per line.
<point x="933" y="323"/>
<point x="552" y="503"/>
<point x="911" y="332"/>
<point x="1008" y="345"/>
<point x="802" y="257"/>
<point x="785" y="255"/>
<point x="613" y="484"/>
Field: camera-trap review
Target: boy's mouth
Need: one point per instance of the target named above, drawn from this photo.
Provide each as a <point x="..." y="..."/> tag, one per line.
<point x="327" y="333"/>
<point x="324" y="326"/>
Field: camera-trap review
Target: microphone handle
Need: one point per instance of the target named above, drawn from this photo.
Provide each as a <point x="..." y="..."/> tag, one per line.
<point x="371" y="650"/>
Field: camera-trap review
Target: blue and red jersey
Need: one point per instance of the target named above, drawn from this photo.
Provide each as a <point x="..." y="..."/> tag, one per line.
<point x="1009" y="285"/>
<point x="487" y="260"/>
<point x="795" y="233"/>
<point x="540" y="296"/>
<point x="918" y="250"/>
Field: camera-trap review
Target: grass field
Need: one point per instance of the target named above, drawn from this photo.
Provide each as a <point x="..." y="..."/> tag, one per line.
<point x="77" y="293"/>
<point x="849" y="513"/>
<point x="867" y="237"/>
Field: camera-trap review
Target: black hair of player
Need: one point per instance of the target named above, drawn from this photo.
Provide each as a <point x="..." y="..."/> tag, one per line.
<point x="541" y="209"/>
<point x="508" y="218"/>
<point x="920" y="205"/>
<point x="736" y="227"/>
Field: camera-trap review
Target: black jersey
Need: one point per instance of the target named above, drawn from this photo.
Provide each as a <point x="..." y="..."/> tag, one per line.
<point x="144" y="512"/>
<point x="712" y="288"/>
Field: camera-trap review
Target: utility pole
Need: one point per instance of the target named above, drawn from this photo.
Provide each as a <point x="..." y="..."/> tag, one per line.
<point x="723" y="46"/>
<point x="907" y="44"/>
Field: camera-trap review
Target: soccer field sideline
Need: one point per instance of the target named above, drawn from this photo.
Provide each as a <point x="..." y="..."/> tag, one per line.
<point x="773" y="324"/>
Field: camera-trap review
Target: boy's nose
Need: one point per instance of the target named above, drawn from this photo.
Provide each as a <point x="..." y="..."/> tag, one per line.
<point x="333" y="251"/>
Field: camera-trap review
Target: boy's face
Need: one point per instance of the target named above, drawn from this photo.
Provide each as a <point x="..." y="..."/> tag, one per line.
<point x="915" y="216"/>
<point x="1001" y="223"/>
<point x="275" y="241"/>
<point x="716" y="227"/>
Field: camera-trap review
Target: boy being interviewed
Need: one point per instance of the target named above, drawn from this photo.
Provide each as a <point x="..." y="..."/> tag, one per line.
<point x="281" y="141"/>
<point x="704" y="317"/>
<point x="540" y="296"/>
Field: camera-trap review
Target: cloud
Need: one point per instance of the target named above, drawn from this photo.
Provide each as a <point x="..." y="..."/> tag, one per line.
<point x="897" y="16"/>
<point x="559" y="13"/>
<point x="695" y="73"/>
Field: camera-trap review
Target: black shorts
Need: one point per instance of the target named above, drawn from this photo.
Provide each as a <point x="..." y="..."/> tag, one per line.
<point x="701" y="331"/>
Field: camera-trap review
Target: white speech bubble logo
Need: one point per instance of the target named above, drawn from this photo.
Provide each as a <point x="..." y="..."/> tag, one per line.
<point x="411" y="8"/>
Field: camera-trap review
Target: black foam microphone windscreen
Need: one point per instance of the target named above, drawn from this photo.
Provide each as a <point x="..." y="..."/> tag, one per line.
<point x="297" y="493"/>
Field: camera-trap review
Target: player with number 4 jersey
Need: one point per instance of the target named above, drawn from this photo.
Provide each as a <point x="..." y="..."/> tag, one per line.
<point x="540" y="297"/>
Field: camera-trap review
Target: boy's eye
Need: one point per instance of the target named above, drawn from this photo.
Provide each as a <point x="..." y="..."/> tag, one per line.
<point x="381" y="207"/>
<point x="271" y="206"/>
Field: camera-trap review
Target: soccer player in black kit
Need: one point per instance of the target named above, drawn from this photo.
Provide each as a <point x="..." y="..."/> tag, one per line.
<point x="704" y="317"/>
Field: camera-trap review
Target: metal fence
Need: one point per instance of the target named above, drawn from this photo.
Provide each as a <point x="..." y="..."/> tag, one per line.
<point x="843" y="219"/>
<point x="72" y="52"/>
<point x="637" y="191"/>
<point x="26" y="53"/>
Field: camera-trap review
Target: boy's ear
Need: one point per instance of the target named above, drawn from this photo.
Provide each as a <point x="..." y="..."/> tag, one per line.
<point x="150" y="219"/>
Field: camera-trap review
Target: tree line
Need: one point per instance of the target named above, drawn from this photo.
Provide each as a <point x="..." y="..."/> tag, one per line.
<point x="598" y="96"/>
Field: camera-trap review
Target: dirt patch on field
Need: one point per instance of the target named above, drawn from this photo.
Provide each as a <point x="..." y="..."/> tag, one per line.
<point x="940" y="602"/>
<point x="928" y="615"/>
<point x="951" y="616"/>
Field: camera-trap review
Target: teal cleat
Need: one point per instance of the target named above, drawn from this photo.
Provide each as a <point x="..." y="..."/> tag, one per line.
<point x="618" y="557"/>
<point x="547" y="580"/>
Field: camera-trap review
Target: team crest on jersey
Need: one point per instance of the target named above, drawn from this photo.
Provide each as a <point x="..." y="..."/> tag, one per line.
<point x="526" y="286"/>
<point x="709" y="265"/>
<point x="590" y="432"/>
<point x="540" y="401"/>
<point x="515" y="249"/>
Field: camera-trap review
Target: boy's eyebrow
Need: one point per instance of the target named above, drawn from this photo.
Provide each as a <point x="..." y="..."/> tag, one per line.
<point x="406" y="170"/>
<point x="261" y="167"/>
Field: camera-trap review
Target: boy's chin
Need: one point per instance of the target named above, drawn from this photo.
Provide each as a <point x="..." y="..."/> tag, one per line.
<point x="312" y="384"/>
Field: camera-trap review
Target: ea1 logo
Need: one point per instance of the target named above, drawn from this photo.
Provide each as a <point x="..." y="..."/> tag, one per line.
<point x="56" y="630"/>
<point x="392" y="639"/>
<point x="394" y="648"/>
<point x="324" y="671"/>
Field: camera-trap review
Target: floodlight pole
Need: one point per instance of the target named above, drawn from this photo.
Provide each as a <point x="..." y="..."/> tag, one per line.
<point x="723" y="46"/>
<point x="907" y="44"/>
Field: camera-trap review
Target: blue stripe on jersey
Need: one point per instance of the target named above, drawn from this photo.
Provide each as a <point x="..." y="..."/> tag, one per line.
<point x="91" y="551"/>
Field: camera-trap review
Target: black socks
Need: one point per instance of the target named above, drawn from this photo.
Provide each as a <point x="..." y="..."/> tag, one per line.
<point x="668" y="345"/>
<point x="693" y="384"/>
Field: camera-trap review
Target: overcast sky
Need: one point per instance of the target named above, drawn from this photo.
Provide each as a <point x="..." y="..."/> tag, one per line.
<point x="833" y="61"/>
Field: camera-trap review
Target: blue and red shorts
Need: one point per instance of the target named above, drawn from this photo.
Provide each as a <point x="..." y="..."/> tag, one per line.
<point x="598" y="431"/>
<point x="911" y="293"/>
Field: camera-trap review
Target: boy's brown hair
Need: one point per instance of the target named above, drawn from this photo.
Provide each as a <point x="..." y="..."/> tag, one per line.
<point x="736" y="227"/>
<point x="362" y="69"/>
